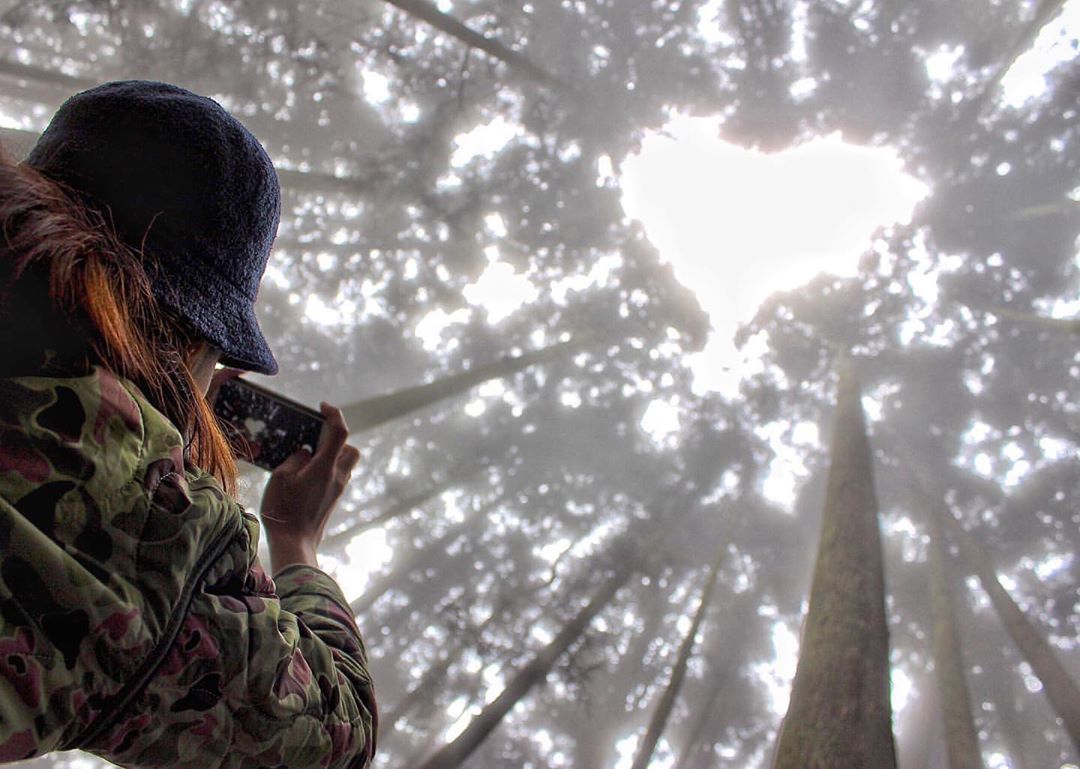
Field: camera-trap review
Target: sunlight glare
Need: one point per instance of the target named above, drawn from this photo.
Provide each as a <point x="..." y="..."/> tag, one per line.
<point x="626" y="748"/>
<point x="500" y="291"/>
<point x="367" y="554"/>
<point x="739" y="224"/>
<point x="901" y="689"/>
<point x="337" y="313"/>
<point x="660" y="420"/>
<point x="430" y="329"/>
<point x="941" y="64"/>
<point x="484" y="140"/>
<point x="778" y="674"/>
<point x="376" y="87"/>
<point x="1056" y="44"/>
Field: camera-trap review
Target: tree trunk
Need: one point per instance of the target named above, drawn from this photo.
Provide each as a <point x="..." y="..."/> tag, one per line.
<point x="428" y="12"/>
<point x="609" y="699"/>
<point x="372" y="412"/>
<point x="960" y="736"/>
<point x="18" y="143"/>
<point x="660" y="716"/>
<point x="839" y="716"/>
<point x="1046" y="12"/>
<point x="34" y="74"/>
<point x="1059" y="686"/>
<point x="696" y="746"/>
<point x="1066" y="207"/>
<point x="402" y="507"/>
<point x="723" y="664"/>
<point x="429" y="682"/>
<point x="1005" y="702"/>
<point x="533" y="673"/>
<point x="1066" y="325"/>
<point x="920" y="729"/>
<point x="410" y="563"/>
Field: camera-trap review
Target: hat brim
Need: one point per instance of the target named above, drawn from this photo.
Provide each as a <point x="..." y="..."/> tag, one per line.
<point x="251" y="352"/>
<point x="225" y="317"/>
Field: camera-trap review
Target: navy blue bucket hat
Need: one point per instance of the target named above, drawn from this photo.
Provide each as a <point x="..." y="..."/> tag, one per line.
<point x="188" y="186"/>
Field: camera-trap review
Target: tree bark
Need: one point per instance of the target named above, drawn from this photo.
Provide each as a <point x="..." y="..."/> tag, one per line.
<point x="428" y="12"/>
<point x="839" y="716"/>
<point x="372" y="412"/>
<point x="454" y="753"/>
<point x="660" y="716"/>
<point x="1060" y="688"/>
<point x="961" y="738"/>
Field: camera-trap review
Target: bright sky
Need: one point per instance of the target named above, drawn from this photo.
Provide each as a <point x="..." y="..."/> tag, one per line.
<point x="737" y="224"/>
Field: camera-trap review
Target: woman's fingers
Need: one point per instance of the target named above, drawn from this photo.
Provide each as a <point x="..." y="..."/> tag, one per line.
<point x="308" y="486"/>
<point x="347" y="458"/>
<point x="331" y="439"/>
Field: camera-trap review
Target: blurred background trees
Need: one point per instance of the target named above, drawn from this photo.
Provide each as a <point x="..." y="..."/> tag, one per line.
<point x="528" y="563"/>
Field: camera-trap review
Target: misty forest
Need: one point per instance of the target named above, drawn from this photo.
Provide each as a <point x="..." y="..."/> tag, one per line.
<point x="544" y="577"/>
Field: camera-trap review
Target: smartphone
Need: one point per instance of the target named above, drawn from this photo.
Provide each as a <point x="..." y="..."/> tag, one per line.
<point x="264" y="426"/>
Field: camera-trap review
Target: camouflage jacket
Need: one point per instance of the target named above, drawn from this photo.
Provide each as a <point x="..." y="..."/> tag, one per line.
<point x="135" y="620"/>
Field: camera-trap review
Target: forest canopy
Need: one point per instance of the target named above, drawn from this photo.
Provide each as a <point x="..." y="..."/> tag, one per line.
<point x="541" y="580"/>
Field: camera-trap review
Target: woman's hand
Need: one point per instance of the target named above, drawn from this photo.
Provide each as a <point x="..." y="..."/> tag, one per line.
<point x="302" y="492"/>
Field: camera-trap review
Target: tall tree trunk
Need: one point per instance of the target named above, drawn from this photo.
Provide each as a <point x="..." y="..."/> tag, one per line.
<point x="610" y="695"/>
<point x="454" y="753"/>
<point x="429" y="12"/>
<point x="723" y="663"/>
<point x="429" y="682"/>
<point x="34" y="74"/>
<point x="1047" y="10"/>
<point x="1059" y="686"/>
<point x="409" y="564"/>
<point x="18" y="143"/>
<point x="372" y="412"/>
<point x="402" y="507"/>
<point x="839" y="716"/>
<point x="426" y="597"/>
<point x="660" y="716"/>
<point x="618" y="686"/>
<point x="1005" y="702"/>
<point x="1065" y="325"/>
<point x="696" y="748"/>
<point x="920" y="728"/>
<point x="960" y="736"/>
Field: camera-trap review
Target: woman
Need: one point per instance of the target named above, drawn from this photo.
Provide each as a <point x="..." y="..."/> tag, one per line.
<point x="135" y="619"/>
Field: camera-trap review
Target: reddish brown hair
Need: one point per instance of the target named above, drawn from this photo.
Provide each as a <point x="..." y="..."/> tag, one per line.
<point x="72" y="296"/>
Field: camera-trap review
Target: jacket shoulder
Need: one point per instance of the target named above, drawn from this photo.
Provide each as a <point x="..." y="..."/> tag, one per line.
<point x="89" y="430"/>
